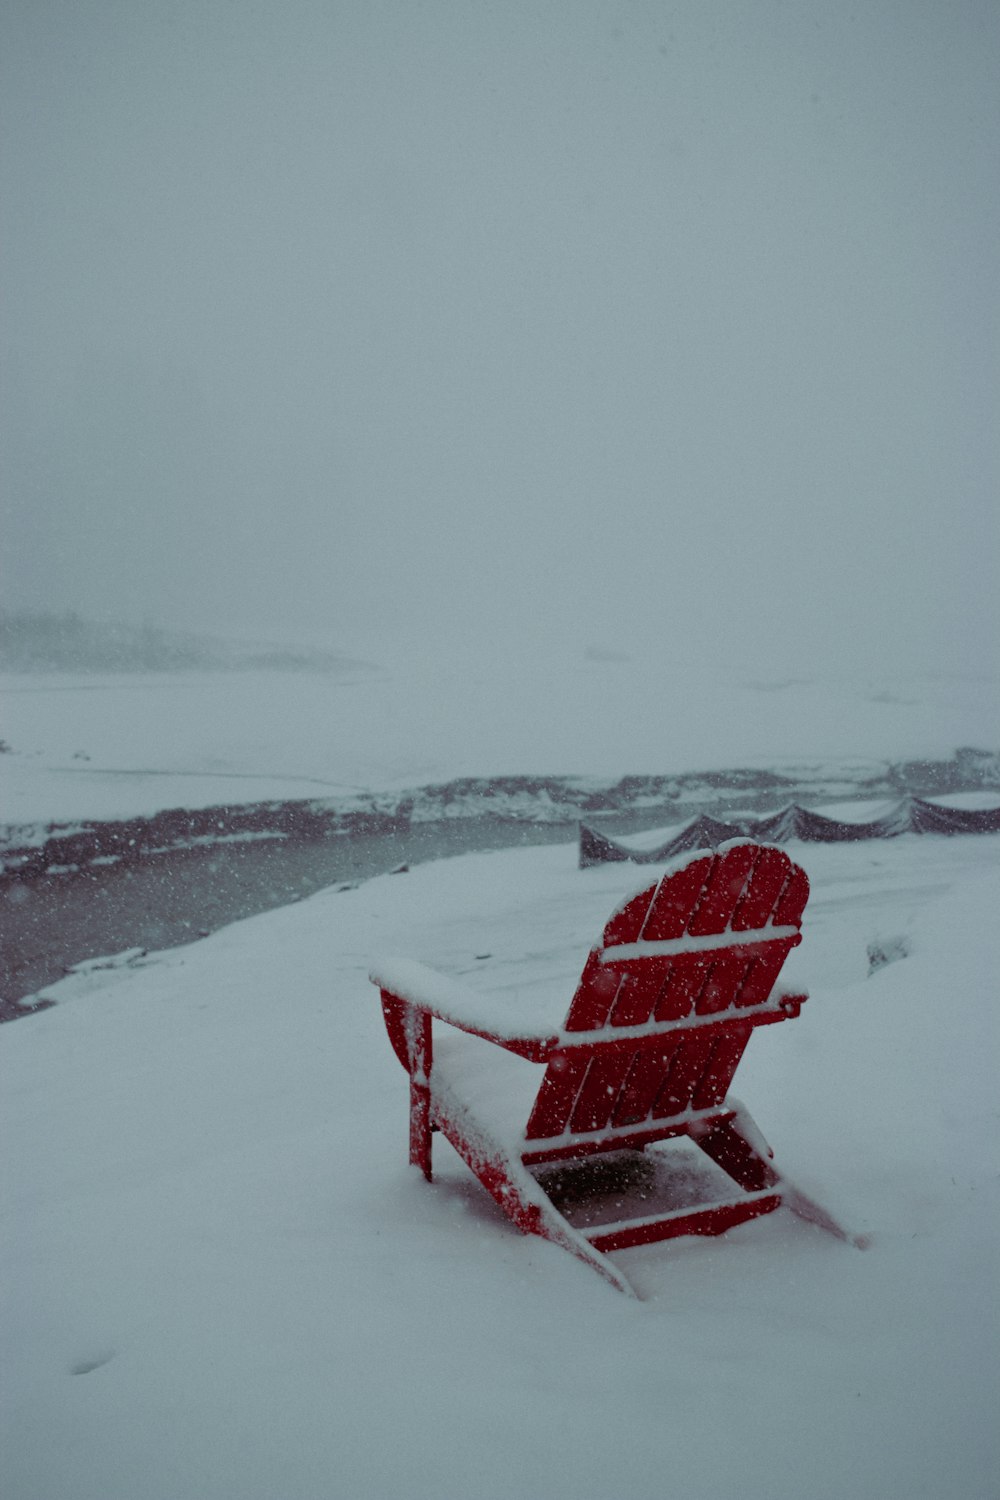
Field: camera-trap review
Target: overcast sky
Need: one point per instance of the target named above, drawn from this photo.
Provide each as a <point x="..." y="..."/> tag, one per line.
<point x="670" y="319"/>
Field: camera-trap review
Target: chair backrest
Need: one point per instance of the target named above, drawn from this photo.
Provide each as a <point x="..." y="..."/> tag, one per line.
<point x="666" y="1001"/>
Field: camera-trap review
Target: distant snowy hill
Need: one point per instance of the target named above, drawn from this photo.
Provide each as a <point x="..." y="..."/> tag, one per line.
<point x="47" y="642"/>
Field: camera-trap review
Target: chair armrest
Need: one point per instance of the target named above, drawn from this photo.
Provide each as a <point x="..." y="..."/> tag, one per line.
<point x="788" y="999"/>
<point x="783" y="1004"/>
<point x="407" y="984"/>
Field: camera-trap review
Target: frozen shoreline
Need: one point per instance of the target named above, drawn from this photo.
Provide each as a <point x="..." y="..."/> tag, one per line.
<point x="55" y="848"/>
<point x="112" y="778"/>
<point x="158" y="883"/>
<point x="54" y="923"/>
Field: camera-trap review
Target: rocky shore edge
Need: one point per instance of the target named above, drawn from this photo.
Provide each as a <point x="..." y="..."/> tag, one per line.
<point x="630" y="801"/>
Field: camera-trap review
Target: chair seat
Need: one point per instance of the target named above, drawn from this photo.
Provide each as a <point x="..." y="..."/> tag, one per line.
<point x="477" y="1081"/>
<point x="473" y="1079"/>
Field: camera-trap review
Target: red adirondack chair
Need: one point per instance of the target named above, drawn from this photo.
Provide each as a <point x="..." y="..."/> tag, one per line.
<point x="668" y="997"/>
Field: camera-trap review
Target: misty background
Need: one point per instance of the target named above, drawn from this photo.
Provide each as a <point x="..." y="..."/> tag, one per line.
<point x="600" y="322"/>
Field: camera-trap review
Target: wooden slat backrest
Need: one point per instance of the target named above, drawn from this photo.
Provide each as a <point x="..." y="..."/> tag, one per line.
<point x="712" y="920"/>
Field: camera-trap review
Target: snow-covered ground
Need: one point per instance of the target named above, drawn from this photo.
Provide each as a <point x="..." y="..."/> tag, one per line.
<point x="222" y="1279"/>
<point x="120" y="746"/>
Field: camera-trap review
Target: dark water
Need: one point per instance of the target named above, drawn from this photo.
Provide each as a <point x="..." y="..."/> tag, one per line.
<point x="50" y="922"/>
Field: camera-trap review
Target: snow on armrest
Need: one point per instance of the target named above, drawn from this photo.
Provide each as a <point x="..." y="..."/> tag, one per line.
<point x="486" y="1015"/>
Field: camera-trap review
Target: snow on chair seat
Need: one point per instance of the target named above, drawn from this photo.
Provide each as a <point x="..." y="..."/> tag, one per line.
<point x="645" y="1054"/>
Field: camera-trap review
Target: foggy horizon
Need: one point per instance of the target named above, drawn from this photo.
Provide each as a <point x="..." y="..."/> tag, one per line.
<point x="605" y="322"/>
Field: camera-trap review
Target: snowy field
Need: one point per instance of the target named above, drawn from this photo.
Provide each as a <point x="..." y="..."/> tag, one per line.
<point x="120" y="746"/>
<point x="223" y="1280"/>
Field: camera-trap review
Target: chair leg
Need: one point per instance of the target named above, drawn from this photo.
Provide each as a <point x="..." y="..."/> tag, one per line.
<point x="420" y="1052"/>
<point x="731" y="1149"/>
<point x="420" y="1127"/>
<point x="737" y="1146"/>
<point x="526" y="1205"/>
